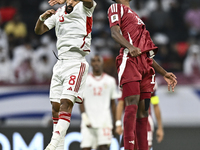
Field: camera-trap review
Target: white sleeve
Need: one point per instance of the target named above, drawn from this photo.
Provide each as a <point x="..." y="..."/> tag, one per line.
<point x="89" y="11"/>
<point x="114" y="92"/>
<point x="51" y="21"/>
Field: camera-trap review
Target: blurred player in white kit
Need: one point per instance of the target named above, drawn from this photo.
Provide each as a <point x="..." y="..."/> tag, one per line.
<point x="73" y="26"/>
<point x="99" y="101"/>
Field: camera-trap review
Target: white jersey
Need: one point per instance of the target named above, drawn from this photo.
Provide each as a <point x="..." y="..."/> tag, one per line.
<point x="73" y="30"/>
<point x="98" y="93"/>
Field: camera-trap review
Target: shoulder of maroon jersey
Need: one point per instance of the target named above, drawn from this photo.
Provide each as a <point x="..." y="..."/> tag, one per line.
<point x="114" y="8"/>
<point x="129" y="10"/>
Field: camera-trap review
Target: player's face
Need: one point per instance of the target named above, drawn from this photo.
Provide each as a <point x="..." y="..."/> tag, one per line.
<point x="97" y="63"/>
<point x="70" y="5"/>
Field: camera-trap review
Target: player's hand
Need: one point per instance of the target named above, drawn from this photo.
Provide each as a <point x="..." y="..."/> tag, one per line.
<point x="135" y="51"/>
<point x="159" y="135"/>
<point x="54" y="2"/>
<point x="48" y="13"/>
<point x="119" y="130"/>
<point x="86" y="120"/>
<point x="170" y="78"/>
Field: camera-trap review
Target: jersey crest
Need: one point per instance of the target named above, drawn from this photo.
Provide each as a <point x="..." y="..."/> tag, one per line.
<point x="114" y="18"/>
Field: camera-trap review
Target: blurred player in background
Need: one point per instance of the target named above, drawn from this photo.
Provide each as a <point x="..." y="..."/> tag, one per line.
<point x="99" y="101"/>
<point x="73" y="26"/>
<point x="135" y="66"/>
<point x="150" y="126"/>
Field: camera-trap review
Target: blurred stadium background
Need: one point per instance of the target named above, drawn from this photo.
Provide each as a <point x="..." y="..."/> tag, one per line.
<point x="26" y="62"/>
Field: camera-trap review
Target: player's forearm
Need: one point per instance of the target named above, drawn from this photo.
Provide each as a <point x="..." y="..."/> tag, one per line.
<point x="158" y="116"/>
<point x="158" y="68"/>
<point x="119" y="110"/>
<point x="84" y="115"/>
<point x="40" y="27"/>
<point x="115" y="33"/>
<point x="82" y="108"/>
<point x="113" y="107"/>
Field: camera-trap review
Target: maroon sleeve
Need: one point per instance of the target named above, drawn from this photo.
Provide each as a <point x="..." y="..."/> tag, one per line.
<point x="114" y="15"/>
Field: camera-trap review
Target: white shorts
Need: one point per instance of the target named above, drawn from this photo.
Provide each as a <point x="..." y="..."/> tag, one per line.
<point x="150" y="129"/>
<point x="68" y="80"/>
<point x="94" y="137"/>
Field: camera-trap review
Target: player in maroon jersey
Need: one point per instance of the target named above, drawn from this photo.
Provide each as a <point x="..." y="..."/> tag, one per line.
<point x="135" y="66"/>
<point x="150" y="126"/>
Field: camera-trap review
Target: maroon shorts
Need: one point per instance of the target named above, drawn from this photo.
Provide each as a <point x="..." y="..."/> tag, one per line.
<point x="133" y="88"/>
<point x="136" y="74"/>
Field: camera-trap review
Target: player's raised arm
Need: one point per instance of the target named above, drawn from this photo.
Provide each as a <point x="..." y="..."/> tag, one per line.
<point x="54" y="2"/>
<point x="40" y="27"/>
<point x="115" y="33"/>
<point x="169" y="77"/>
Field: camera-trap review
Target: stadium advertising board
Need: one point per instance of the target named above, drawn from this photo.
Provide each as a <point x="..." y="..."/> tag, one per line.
<point x="29" y="138"/>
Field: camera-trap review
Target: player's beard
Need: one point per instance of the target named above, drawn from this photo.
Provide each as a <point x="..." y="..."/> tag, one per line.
<point x="68" y="9"/>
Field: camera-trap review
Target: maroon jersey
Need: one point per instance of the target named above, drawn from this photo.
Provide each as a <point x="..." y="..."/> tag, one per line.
<point x="132" y="27"/>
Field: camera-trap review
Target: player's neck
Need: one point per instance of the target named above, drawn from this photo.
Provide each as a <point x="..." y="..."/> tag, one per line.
<point x="99" y="73"/>
<point x="124" y="2"/>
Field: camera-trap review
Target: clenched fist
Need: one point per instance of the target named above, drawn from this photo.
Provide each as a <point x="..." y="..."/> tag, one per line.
<point x="47" y="14"/>
<point x="135" y="51"/>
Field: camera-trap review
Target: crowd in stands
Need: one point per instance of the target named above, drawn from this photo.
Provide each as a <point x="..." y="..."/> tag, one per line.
<point x="26" y="58"/>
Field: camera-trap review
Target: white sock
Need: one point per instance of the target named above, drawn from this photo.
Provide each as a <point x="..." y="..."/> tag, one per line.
<point x="60" y="130"/>
<point x="61" y="144"/>
<point x="54" y="127"/>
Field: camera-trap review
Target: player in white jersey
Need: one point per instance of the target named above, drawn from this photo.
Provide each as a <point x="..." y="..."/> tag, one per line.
<point x="73" y="26"/>
<point x="99" y="101"/>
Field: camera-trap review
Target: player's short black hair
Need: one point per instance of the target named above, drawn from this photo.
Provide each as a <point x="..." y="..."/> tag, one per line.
<point x="114" y="0"/>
